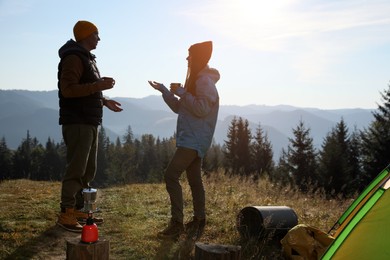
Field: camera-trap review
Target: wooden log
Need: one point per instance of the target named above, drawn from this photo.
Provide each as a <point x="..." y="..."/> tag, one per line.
<point x="77" y="250"/>
<point x="214" y="251"/>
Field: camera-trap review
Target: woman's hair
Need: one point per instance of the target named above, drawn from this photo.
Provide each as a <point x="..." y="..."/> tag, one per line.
<point x="200" y="54"/>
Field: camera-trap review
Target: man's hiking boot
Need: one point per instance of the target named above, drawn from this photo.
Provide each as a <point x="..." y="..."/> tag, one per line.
<point x="82" y="217"/>
<point x="68" y="221"/>
<point x="195" y="228"/>
<point x="173" y="231"/>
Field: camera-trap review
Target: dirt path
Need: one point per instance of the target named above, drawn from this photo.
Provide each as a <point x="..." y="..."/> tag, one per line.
<point x="50" y="245"/>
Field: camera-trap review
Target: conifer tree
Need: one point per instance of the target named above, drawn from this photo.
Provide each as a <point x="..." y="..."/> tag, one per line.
<point x="355" y="163"/>
<point x="5" y="160"/>
<point x="165" y="152"/>
<point x="334" y="161"/>
<point x="128" y="137"/>
<point x="262" y="153"/>
<point x="230" y="148"/>
<point x="301" y="158"/>
<point x="147" y="158"/>
<point x="36" y="157"/>
<point x="283" y="171"/>
<point x="376" y="141"/>
<point x="53" y="164"/>
<point x="237" y="147"/>
<point x="114" y="158"/>
<point x="122" y="165"/>
<point x="128" y="157"/>
<point x="22" y="159"/>
<point x="157" y="175"/>
<point x="244" y="141"/>
<point x="213" y="158"/>
<point x="102" y="154"/>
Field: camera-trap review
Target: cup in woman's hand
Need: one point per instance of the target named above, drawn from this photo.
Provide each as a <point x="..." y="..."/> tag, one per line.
<point x="175" y="86"/>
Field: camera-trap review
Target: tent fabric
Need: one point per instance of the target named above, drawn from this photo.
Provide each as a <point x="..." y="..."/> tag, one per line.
<point x="364" y="228"/>
<point x="361" y="199"/>
<point x="370" y="237"/>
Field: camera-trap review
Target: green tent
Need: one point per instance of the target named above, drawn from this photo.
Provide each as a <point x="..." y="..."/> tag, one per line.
<point x="363" y="231"/>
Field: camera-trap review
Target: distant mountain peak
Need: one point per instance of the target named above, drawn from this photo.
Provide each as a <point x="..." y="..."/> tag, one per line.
<point x="150" y="115"/>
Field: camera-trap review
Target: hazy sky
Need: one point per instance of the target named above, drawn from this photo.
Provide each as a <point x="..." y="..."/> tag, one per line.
<point x="307" y="53"/>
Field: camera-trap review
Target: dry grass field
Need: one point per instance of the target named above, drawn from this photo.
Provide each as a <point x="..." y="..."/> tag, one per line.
<point x="134" y="213"/>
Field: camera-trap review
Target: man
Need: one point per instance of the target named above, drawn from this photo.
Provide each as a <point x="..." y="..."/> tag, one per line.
<point x="81" y="104"/>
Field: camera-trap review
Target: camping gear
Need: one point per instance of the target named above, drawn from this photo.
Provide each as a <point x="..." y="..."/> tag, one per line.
<point x="262" y="221"/>
<point x="89" y="233"/>
<point x="363" y="230"/>
<point x="305" y="242"/>
<point x="89" y="195"/>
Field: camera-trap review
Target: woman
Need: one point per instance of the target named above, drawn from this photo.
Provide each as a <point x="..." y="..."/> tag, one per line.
<point x="197" y="105"/>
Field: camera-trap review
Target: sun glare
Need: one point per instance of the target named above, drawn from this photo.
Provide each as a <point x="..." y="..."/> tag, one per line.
<point x="255" y="23"/>
<point x="252" y="11"/>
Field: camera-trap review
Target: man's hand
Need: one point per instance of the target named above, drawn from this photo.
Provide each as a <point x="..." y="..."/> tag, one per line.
<point x="105" y="83"/>
<point x="112" y="105"/>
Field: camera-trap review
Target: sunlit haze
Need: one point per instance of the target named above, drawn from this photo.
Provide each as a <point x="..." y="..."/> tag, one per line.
<point x="320" y="53"/>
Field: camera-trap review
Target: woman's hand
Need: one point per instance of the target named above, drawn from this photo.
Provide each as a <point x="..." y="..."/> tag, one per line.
<point x="156" y="85"/>
<point x="177" y="89"/>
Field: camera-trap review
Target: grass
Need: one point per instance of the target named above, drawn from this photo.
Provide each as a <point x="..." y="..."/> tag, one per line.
<point x="134" y="213"/>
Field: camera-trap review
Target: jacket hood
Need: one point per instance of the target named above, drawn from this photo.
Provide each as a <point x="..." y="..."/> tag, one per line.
<point x="71" y="47"/>
<point x="211" y="73"/>
<point x="201" y="54"/>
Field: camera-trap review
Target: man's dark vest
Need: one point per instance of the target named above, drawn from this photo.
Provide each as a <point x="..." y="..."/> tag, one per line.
<point x="82" y="110"/>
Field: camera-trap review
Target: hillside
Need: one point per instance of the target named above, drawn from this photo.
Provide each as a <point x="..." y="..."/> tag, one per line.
<point x="135" y="213"/>
<point x="37" y="112"/>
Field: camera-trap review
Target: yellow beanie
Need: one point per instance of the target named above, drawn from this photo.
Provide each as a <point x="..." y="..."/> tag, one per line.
<point x="83" y="29"/>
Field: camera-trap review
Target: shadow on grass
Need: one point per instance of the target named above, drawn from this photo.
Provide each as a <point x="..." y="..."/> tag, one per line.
<point x="181" y="248"/>
<point x="51" y="244"/>
<point x="265" y="246"/>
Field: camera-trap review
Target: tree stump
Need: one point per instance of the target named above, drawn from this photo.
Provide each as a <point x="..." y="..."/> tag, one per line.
<point x="76" y="250"/>
<point x="213" y="251"/>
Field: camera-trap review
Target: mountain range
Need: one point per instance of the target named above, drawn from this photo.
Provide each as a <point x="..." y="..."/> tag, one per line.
<point x="37" y="113"/>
